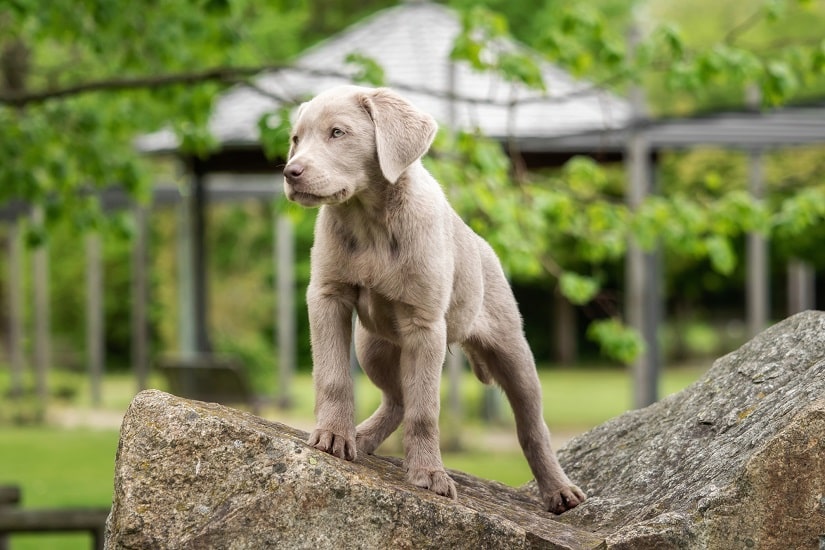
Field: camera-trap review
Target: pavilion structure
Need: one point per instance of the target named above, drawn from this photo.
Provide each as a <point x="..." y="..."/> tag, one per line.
<point x="412" y="42"/>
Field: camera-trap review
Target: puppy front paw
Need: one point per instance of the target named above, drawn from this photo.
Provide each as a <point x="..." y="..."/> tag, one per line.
<point x="335" y="444"/>
<point x="436" y="481"/>
<point x="565" y="498"/>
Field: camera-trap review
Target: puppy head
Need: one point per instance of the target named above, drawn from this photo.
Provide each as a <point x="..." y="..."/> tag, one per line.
<point x="348" y="138"/>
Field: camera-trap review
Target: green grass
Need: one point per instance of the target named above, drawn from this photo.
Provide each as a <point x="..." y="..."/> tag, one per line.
<point x="74" y="467"/>
<point x="508" y="467"/>
<point x="574" y="398"/>
<point x="58" y="468"/>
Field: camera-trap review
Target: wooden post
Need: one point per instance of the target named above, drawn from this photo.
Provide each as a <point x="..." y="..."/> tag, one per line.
<point x="27" y="520"/>
<point x="186" y="299"/>
<point x="756" y="251"/>
<point x="94" y="315"/>
<point x="192" y="266"/>
<point x="200" y="289"/>
<point x="801" y="287"/>
<point x="15" y="298"/>
<point x="140" y="300"/>
<point x="42" y="314"/>
<point x="285" y="310"/>
<point x="354" y="365"/>
<point x="756" y="246"/>
<point x="564" y="330"/>
<point x="9" y="498"/>
<point x="455" y="413"/>
<point x="491" y="405"/>
<point x="642" y="296"/>
<point x="641" y="285"/>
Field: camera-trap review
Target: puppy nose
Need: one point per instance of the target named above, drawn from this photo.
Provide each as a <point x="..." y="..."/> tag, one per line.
<point x="294" y="170"/>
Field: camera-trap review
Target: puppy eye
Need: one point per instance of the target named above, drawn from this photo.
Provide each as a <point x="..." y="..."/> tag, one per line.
<point x="336" y="133"/>
<point x="294" y="140"/>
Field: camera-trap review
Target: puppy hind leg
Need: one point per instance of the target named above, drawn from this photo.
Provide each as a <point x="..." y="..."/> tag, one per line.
<point x="380" y="360"/>
<point x="515" y="372"/>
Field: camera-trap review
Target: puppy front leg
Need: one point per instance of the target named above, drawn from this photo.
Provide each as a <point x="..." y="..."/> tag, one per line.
<point x="330" y="319"/>
<point x="422" y="354"/>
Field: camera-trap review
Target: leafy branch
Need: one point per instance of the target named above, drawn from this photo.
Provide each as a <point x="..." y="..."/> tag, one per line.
<point x="242" y="75"/>
<point x="486" y="45"/>
<point x="116" y="84"/>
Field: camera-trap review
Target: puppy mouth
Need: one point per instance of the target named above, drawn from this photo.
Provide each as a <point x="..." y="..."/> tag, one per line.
<point x="313" y="199"/>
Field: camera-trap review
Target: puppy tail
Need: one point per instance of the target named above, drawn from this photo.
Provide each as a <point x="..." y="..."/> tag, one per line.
<point x="477" y="362"/>
<point x="481" y="372"/>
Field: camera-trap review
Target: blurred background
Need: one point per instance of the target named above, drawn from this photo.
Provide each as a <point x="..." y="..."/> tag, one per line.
<point x="650" y="173"/>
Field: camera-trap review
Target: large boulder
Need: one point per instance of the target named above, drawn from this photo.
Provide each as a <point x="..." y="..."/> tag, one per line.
<point x="198" y="475"/>
<point x="737" y="460"/>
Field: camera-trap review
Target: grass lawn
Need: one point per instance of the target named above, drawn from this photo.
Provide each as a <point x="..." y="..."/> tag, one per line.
<point x="60" y="467"/>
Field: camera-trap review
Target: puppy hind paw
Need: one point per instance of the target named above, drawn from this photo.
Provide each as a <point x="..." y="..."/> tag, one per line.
<point x="335" y="444"/>
<point x="565" y="498"/>
<point x="436" y="481"/>
<point x="365" y="444"/>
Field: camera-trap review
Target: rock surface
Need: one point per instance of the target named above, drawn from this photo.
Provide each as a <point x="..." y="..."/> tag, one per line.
<point x="198" y="475"/>
<point x="735" y="461"/>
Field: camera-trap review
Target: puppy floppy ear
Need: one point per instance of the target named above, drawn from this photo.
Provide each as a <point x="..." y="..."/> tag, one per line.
<point x="402" y="133"/>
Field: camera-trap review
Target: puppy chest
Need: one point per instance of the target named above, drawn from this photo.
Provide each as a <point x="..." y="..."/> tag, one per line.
<point x="370" y="266"/>
<point x="376" y="313"/>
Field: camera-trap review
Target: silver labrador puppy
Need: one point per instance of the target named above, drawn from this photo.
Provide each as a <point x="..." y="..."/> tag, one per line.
<point x="389" y="246"/>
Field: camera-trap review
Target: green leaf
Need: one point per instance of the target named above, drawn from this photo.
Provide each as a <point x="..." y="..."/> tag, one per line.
<point x="684" y="76"/>
<point x="519" y="67"/>
<point x="721" y="254"/>
<point x="818" y="59"/>
<point x="220" y="7"/>
<point x="779" y="82"/>
<point x="465" y="48"/>
<point x="369" y="70"/>
<point x="672" y="38"/>
<point x="274" y="131"/>
<point x="775" y="10"/>
<point x="578" y="288"/>
<point x="611" y="54"/>
<point x="741" y="211"/>
<point x="616" y="340"/>
<point x="584" y="175"/>
<point x="35" y="236"/>
<point x="488" y="22"/>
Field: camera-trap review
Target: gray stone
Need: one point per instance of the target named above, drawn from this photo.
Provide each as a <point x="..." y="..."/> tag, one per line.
<point x="735" y="461"/>
<point x="198" y="475"/>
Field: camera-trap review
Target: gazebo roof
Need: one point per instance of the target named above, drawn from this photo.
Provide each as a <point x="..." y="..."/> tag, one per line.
<point x="412" y="43"/>
<point x="789" y="126"/>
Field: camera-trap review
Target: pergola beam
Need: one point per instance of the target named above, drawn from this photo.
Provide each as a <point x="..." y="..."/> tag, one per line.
<point x="15" y="301"/>
<point x="94" y="315"/>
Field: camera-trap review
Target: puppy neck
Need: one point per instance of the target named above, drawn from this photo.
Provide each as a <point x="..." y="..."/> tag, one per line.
<point x="370" y="214"/>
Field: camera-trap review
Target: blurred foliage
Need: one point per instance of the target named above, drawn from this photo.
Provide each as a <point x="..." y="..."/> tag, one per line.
<point x="22" y="406"/>
<point x="567" y="228"/>
<point x="242" y="271"/>
<point x="54" y="147"/>
<point x="569" y="225"/>
<point x="715" y="50"/>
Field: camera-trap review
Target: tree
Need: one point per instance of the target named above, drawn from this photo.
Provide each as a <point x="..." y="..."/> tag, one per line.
<point x="79" y="80"/>
<point x="772" y="46"/>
